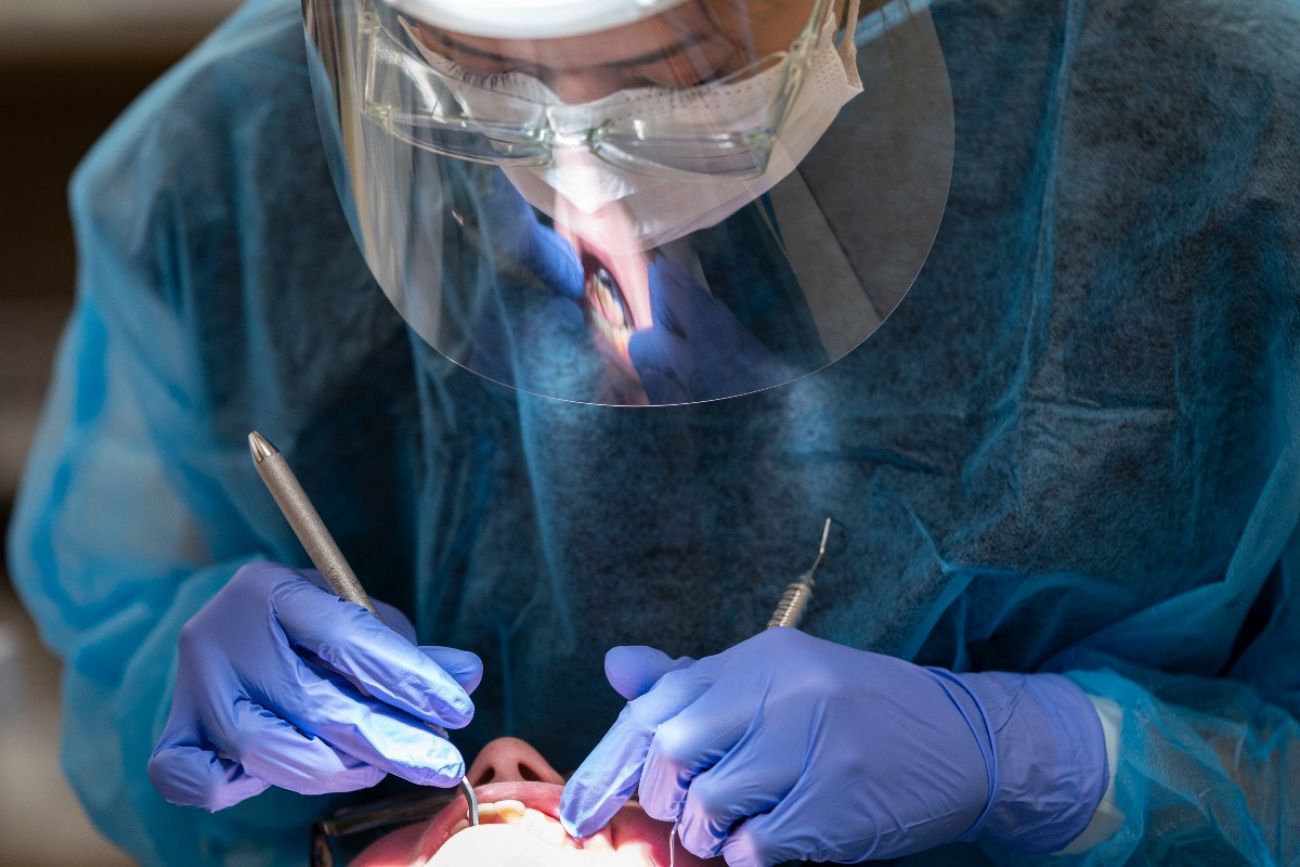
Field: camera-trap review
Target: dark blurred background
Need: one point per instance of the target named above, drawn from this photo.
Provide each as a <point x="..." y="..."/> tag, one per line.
<point x="67" y="69"/>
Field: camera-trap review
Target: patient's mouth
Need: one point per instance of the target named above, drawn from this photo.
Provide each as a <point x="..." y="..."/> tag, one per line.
<point x="531" y="813"/>
<point x="540" y="798"/>
<point x="616" y="288"/>
<point x="545" y="828"/>
<point x="605" y="304"/>
<point x="519" y="807"/>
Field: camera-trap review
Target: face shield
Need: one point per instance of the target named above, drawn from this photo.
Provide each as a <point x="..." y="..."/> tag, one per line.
<point x="636" y="201"/>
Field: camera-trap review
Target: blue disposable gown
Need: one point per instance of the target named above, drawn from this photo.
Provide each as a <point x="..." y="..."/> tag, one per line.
<point x="1074" y="447"/>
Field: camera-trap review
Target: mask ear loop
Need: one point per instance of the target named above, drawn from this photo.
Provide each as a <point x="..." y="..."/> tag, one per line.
<point x="848" y="47"/>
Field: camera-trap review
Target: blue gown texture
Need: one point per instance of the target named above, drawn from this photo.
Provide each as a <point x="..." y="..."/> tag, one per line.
<point x="1074" y="447"/>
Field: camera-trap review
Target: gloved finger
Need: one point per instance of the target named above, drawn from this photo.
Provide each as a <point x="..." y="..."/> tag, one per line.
<point x="610" y="774"/>
<point x="191" y="776"/>
<point x="662" y="389"/>
<point x="685" y="746"/>
<point x="395" y="620"/>
<point x="657" y="350"/>
<point x="272" y="750"/>
<point x="633" y="669"/>
<point x="391" y="616"/>
<point x="326" y="707"/>
<point x="671" y="296"/>
<point x="538" y="247"/>
<point x="702" y="741"/>
<point x="553" y="259"/>
<point x="750" y="779"/>
<point x="765" y="840"/>
<point x="464" y="666"/>
<point x="351" y="641"/>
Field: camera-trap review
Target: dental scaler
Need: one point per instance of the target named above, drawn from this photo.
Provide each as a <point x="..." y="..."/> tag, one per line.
<point x="322" y="549"/>
<point x="789" y="612"/>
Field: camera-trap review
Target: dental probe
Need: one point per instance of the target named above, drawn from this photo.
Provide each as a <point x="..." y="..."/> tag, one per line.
<point x="794" y="602"/>
<point x="320" y="546"/>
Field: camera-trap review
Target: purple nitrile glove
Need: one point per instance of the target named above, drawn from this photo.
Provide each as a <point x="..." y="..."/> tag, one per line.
<point x="697" y="349"/>
<point x="789" y="747"/>
<point x="282" y="683"/>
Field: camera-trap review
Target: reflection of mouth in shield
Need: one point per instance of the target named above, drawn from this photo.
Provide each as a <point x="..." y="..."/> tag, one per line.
<point x="616" y="280"/>
<point x="605" y="305"/>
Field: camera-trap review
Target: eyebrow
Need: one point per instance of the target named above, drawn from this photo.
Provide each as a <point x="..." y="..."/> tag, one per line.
<point x="656" y="56"/>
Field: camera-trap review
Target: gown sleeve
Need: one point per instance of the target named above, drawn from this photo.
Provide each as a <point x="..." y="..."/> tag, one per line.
<point x="1204" y="689"/>
<point x="134" y="509"/>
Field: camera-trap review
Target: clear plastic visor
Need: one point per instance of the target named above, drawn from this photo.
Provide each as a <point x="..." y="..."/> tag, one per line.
<point x="713" y="200"/>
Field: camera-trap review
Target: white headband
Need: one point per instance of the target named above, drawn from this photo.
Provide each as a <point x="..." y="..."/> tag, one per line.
<point x="530" y="19"/>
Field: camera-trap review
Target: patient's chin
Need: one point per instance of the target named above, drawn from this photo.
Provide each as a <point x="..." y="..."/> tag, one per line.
<point x="520" y="827"/>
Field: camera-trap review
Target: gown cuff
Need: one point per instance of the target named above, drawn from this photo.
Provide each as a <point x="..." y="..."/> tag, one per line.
<point x="1107" y="818"/>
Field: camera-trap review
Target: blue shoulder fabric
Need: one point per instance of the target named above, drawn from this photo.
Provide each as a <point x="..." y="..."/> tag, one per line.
<point x="134" y="512"/>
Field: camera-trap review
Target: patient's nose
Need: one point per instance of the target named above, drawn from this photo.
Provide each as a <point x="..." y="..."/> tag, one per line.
<point x="511" y="760"/>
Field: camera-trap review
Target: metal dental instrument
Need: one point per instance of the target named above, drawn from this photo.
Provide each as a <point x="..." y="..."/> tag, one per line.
<point x="789" y="612"/>
<point x="321" y="548"/>
<point x="305" y="521"/>
<point x="794" y="602"/>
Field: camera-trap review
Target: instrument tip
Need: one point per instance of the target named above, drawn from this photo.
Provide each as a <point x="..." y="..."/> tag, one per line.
<point x="471" y="800"/>
<point x="260" y="447"/>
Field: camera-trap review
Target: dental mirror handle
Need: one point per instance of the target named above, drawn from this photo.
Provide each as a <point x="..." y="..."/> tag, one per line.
<point x="320" y="546"/>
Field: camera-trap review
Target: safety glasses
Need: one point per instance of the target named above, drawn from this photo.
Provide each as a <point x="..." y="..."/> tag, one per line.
<point x="724" y="128"/>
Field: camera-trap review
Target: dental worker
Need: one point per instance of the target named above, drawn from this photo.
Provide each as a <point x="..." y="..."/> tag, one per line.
<point x="576" y="317"/>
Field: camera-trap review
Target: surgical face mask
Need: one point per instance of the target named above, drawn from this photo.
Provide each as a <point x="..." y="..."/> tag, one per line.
<point x="658" y="209"/>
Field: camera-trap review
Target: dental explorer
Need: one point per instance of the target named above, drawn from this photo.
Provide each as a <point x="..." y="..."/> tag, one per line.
<point x="320" y="546"/>
<point x="789" y="612"/>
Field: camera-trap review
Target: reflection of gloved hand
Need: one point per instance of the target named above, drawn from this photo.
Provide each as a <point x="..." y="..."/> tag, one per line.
<point x="269" y="693"/>
<point x="523" y="314"/>
<point x="513" y="232"/>
<point x="696" y="349"/>
<point x="788" y="747"/>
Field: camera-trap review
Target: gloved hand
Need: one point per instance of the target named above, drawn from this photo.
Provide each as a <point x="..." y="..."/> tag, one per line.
<point x="282" y="683"/>
<point x="527" y="302"/>
<point x="512" y="231"/>
<point x="788" y="747"/>
<point x="696" y="348"/>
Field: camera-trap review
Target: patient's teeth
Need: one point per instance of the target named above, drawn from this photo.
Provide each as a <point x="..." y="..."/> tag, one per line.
<point x="597" y="843"/>
<point x="544" y="827"/>
<point x="511" y="812"/>
<point x="549" y="830"/>
<point x="508" y="811"/>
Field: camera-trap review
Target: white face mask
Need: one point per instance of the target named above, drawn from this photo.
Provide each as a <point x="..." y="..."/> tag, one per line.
<point x="658" y="210"/>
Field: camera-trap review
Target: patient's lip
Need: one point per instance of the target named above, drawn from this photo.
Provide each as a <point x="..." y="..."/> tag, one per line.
<point x="543" y="797"/>
<point x="630" y="826"/>
<point x="509" y="769"/>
